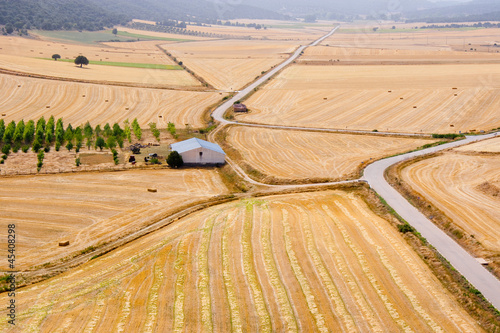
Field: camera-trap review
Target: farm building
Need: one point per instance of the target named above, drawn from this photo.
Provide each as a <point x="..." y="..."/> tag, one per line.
<point x="196" y="151"/>
<point x="240" y="108"/>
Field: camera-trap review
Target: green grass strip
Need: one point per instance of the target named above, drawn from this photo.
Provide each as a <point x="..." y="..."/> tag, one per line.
<point x="124" y="64"/>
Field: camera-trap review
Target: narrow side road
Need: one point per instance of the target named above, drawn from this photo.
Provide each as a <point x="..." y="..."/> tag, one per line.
<point x="460" y="259"/>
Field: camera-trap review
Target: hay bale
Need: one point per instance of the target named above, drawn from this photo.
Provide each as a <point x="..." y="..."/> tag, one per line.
<point x="153" y="190"/>
<point x="64" y="243"/>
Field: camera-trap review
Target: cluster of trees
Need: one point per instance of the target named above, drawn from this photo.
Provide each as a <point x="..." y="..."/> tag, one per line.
<point x="456" y="26"/>
<point x="53" y="15"/>
<point x="42" y="135"/>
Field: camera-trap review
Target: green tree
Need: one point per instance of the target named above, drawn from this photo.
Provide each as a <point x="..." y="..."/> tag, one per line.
<point x="137" y="129"/>
<point x="56" y="56"/>
<point x="9" y="132"/>
<point x="29" y="132"/>
<point x="100" y="143"/>
<point x="107" y="130"/>
<point x="88" y="131"/>
<point x="174" y="160"/>
<point x="9" y="28"/>
<point x="171" y="129"/>
<point x="2" y="129"/>
<point x="126" y="131"/>
<point x="81" y="60"/>
<point x="6" y="149"/>
<point x="18" y="133"/>
<point x="50" y="130"/>
<point x="68" y="134"/>
<point x="155" y="131"/>
<point x="98" y="130"/>
<point x="117" y="130"/>
<point x="36" y="145"/>
<point x="115" y="31"/>
<point x="111" y="142"/>
<point x="69" y="146"/>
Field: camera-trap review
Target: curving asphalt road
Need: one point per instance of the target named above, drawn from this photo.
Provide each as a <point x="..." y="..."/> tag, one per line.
<point x="460" y="259"/>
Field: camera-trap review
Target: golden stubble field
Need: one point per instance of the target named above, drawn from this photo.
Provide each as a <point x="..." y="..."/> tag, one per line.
<point x="134" y="52"/>
<point x="300" y="155"/>
<point x="303" y="262"/>
<point x="231" y="64"/>
<point x="276" y="30"/>
<point x="77" y="103"/>
<point x="100" y="74"/>
<point x="480" y="40"/>
<point x="20" y="55"/>
<point x="90" y="208"/>
<point x="465" y="184"/>
<point x="334" y="55"/>
<point x="399" y="98"/>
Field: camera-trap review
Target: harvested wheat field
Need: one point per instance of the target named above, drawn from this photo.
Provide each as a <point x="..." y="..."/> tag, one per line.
<point x="470" y="41"/>
<point x="466" y="187"/>
<point x="485" y="146"/>
<point x="323" y="55"/>
<point x="90" y="208"/>
<point x="77" y="103"/>
<point x="415" y="99"/>
<point x="128" y="52"/>
<point x="302" y="262"/>
<point x="300" y="155"/>
<point x="161" y="78"/>
<point x="231" y="64"/>
<point x="275" y="30"/>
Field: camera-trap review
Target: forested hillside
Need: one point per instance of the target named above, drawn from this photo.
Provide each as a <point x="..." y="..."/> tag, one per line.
<point x="96" y="14"/>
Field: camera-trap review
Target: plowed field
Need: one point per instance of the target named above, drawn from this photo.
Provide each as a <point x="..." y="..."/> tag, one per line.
<point x="300" y="155"/>
<point x="231" y="64"/>
<point x="27" y="98"/>
<point x="89" y="208"/>
<point x="304" y="262"/>
<point x="387" y="98"/>
<point x="466" y="188"/>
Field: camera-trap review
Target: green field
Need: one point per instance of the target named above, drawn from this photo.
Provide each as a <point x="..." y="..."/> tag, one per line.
<point x="139" y="36"/>
<point x="124" y="64"/>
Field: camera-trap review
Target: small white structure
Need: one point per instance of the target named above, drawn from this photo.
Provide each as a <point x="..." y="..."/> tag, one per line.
<point x="196" y="151"/>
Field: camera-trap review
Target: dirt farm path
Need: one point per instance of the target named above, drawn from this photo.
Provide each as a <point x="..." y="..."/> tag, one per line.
<point x="465" y="263"/>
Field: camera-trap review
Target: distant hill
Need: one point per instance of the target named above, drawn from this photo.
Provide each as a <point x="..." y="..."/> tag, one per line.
<point x="474" y="11"/>
<point x="98" y="14"/>
<point x="56" y="14"/>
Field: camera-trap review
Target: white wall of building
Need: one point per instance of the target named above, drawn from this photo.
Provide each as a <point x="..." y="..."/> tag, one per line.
<point x="207" y="157"/>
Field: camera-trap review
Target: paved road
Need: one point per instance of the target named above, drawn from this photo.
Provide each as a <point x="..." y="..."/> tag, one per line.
<point x="461" y="260"/>
<point x="218" y="113"/>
